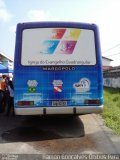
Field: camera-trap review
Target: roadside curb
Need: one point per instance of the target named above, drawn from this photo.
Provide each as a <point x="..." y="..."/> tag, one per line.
<point x="113" y="137"/>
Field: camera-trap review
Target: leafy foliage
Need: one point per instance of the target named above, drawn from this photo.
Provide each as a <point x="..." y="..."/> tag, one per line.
<point x="111" y="111"/>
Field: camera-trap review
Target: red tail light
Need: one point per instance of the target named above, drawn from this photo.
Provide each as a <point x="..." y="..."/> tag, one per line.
<point x="25" y="103"/>
<point x="92" y="101"/>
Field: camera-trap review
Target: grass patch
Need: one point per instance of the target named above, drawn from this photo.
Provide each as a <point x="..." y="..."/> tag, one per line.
<point x="111" y="110"/>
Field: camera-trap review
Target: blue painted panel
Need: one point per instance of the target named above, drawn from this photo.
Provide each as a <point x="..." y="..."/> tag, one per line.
<point x="44" y="84"/>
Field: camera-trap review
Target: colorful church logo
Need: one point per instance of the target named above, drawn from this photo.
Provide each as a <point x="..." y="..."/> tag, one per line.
<point x="49" y="46"/>
<point x="58" y="33"/>
<point x="72" y="34"/>
<point x="67" y="47"/>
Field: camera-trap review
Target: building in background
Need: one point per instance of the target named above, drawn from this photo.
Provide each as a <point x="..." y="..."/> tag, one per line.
<point x="112" y="77"/>
<point x="106" y="63"/>
<point x="7" y="62"/>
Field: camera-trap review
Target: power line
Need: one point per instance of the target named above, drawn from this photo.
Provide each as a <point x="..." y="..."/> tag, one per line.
<point x="113" y="54"/>
<point x="112" y="48"/>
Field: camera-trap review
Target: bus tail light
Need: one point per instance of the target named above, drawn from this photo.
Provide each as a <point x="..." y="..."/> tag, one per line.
<point x="25" y="103"/>
<point x="92" y="101"/>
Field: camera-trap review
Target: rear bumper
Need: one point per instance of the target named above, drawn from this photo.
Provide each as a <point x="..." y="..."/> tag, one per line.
<point x="59" y="110"/>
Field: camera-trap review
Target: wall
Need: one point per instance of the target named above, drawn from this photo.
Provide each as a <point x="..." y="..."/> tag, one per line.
<point x="112" y="77"/>
<point x="112" y="82"/>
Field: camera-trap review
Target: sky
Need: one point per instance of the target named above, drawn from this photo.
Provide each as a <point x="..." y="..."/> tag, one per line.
<point x="104" y="13"/>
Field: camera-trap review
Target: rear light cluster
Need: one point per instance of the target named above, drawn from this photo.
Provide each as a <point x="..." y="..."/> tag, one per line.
<point x="92" y="101"/>
<point x="25" y="103"/>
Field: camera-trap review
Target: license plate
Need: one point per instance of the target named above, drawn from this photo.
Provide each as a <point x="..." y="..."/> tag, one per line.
<point x="59" y="103"/>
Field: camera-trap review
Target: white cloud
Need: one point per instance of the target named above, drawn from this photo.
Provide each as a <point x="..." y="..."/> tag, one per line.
<point x="12" y="29"/>
<point x="4" y="14"/>
<point x="38" y="15"/>
<point x="2" y="4"/>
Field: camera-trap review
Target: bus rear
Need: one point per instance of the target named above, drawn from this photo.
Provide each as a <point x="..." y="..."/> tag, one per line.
<point x="57" y="69"/>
